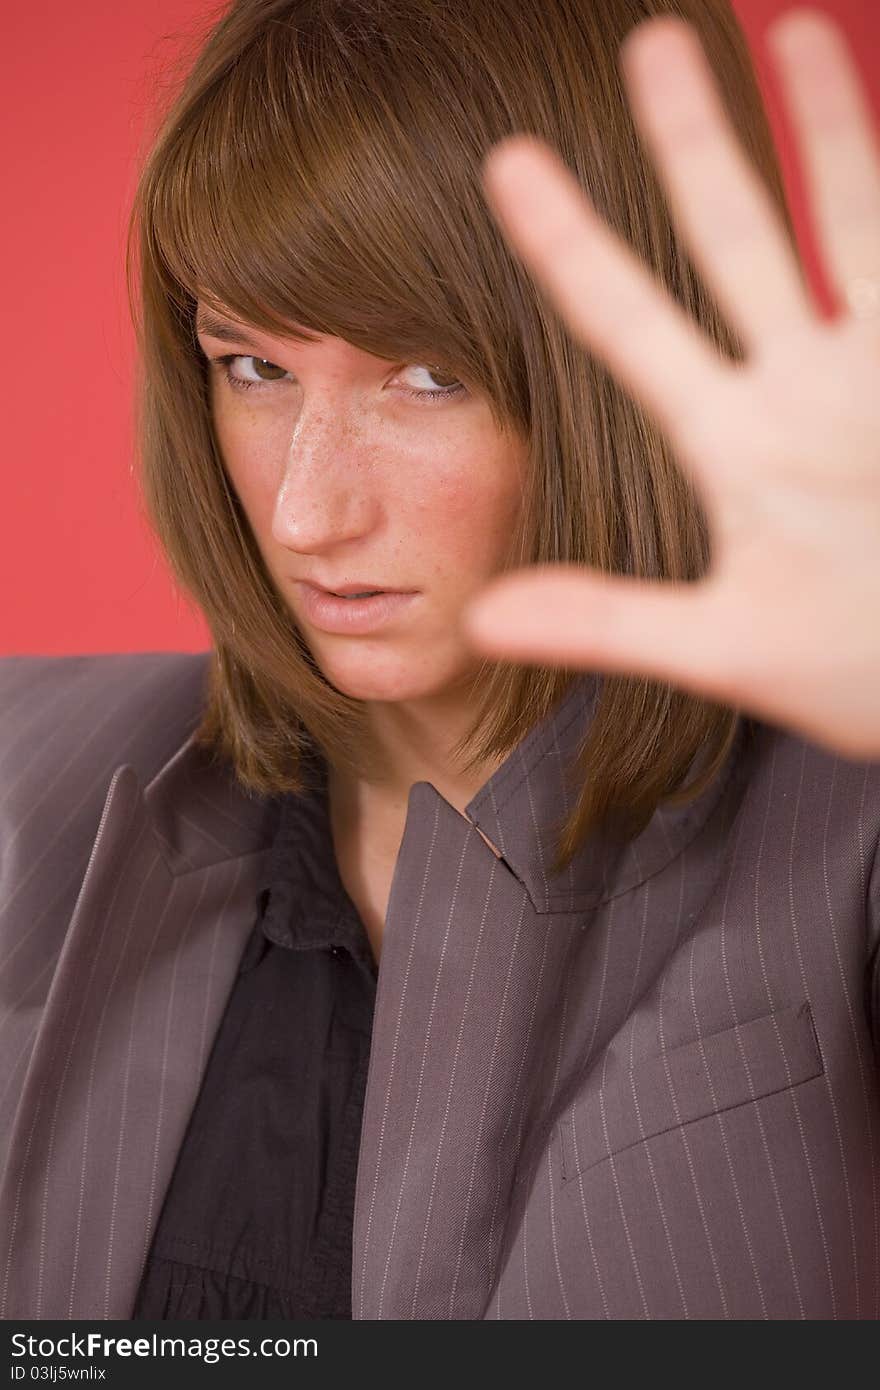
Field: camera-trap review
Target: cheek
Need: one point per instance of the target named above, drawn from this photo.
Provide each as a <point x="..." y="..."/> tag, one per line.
<point x="471" y="508"/>
<point x="249" y="463"/>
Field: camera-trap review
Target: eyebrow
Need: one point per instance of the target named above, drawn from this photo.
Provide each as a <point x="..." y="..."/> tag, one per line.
<point x="226" y="332"/>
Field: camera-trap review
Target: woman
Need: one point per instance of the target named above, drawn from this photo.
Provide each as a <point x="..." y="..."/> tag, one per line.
<point x="618" y="1058"/>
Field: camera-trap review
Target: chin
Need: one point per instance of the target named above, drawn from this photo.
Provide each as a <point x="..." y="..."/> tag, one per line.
<point x="383" y="676"/>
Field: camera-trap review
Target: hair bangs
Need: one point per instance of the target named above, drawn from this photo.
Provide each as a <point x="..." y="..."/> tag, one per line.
<point x="303" y="197"/>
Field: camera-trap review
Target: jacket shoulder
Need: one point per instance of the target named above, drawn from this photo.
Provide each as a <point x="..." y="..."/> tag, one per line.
<point x="67" y="723"/>
<point x="97" y="710"/>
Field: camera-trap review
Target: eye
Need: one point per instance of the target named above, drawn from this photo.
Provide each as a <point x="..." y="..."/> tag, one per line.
<point x="238" y="383"/>
<point x="265" y="377"/>
<point x="438" y="374"/>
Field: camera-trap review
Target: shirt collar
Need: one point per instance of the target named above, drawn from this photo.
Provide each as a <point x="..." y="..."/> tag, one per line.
<point x="304" y="902"/>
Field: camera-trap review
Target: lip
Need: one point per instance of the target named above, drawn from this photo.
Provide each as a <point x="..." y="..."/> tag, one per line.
<point x="361" y="586"/>
<point x="351" y="616"/>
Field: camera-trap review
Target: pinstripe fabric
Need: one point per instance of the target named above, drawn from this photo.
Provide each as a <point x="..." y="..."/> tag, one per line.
<point x="646" y="1088"/>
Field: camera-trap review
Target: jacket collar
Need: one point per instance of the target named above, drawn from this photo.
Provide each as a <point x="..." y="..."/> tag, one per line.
<point x="520" y="810"/>
<point x="202" y="815"/>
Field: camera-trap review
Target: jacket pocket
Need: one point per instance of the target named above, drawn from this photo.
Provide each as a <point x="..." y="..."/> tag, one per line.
<point x="713" y="1074"/>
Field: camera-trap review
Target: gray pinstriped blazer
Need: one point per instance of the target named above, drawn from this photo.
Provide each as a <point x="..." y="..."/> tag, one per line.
<point x="647" y="1088"/>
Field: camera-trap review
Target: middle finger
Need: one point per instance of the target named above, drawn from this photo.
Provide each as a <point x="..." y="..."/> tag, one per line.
<point x="734" y="234"/>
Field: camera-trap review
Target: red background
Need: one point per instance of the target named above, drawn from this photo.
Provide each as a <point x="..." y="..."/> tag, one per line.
<point x="79" y="571"/>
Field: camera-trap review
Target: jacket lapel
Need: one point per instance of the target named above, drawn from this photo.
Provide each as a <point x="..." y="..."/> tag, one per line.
<point x="476" y="943"/>
<point x="165" y="908"/>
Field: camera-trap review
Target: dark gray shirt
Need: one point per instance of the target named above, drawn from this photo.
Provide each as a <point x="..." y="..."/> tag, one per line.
<point x="257" y="1220"/>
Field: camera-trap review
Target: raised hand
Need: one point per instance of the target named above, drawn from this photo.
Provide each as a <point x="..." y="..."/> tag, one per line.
<point x="783" y="448"/>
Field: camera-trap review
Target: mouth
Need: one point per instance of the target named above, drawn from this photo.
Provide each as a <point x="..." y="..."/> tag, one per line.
<point x="362" y="593"/>
<point x="362" y="589"/>
<point x="354" y="611"/>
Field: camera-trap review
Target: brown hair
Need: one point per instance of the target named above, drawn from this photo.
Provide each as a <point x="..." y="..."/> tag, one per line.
<point x="320" y="163"/>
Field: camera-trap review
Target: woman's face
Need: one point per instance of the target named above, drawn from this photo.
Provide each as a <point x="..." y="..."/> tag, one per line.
<point x="347" y="478"/>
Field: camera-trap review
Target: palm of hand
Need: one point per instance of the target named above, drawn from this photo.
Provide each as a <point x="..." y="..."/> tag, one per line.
<point x="783" y="448"/>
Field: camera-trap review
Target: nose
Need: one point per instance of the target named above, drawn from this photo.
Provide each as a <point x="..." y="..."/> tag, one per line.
<point x="326" y="494"/>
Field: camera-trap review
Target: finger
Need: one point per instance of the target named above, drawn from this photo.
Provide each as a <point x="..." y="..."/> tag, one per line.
<point x="553" y="614"/>
<point x="836" y="140"/>
<point x="606" y="295"/>
<point x="717" y="198"/>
